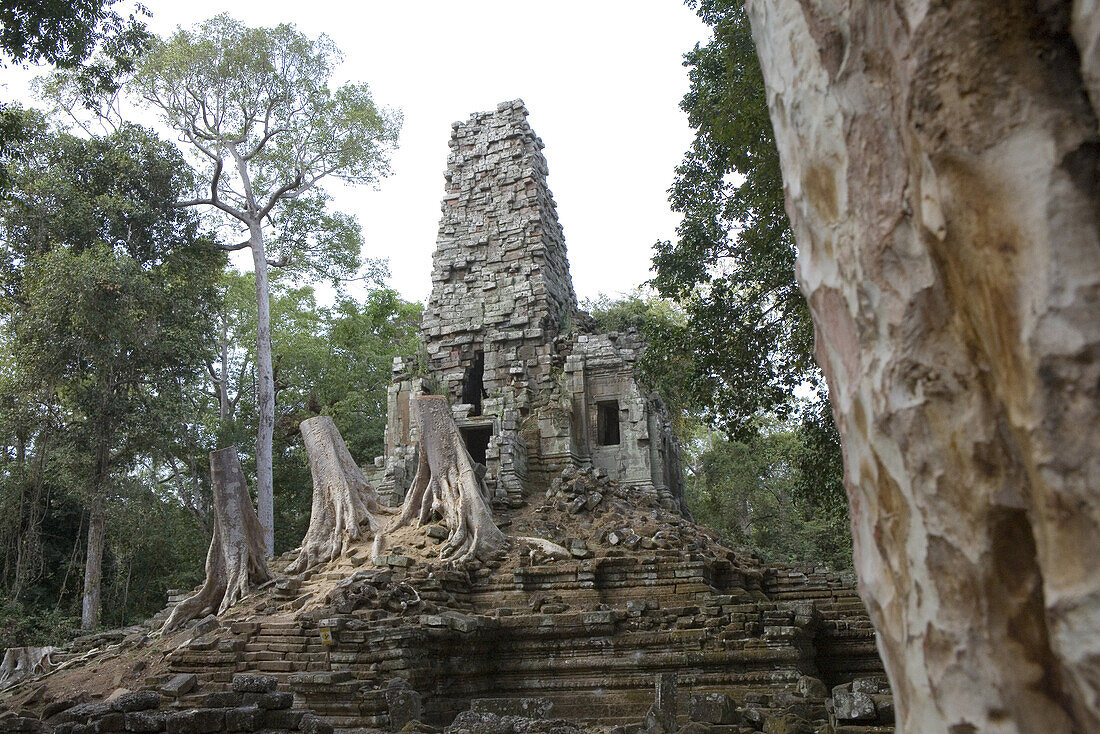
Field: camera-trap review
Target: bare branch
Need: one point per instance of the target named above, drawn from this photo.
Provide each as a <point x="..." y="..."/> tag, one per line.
<point x="238" y="246"/>
<point x="268" y="135"/>
<point x="281" y="192"/>
<point x="215" y="203"/>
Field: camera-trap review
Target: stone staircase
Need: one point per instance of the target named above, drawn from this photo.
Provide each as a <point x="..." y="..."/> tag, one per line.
<point x="588" y="636"/>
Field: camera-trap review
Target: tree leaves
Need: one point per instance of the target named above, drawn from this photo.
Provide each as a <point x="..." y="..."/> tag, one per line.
<point x="255" y="108"/>
<point x="732" y="266"/>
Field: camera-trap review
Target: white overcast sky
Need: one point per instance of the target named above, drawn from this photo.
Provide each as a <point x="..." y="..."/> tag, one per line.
<point x="602" y="80"/>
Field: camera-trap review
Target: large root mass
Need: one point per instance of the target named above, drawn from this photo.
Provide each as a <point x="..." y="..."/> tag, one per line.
<point x="345" y="506"/>
<point x="446" y="484"/>
<point x="24" y="662"/>
<point x="235" y="561"/>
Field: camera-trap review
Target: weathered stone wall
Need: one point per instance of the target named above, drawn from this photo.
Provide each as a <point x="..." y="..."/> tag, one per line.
<point x="600" y="368"/>
<point x="500" y="277"/>
<point x="252" y="704"/>
<point x="503" y="336"/>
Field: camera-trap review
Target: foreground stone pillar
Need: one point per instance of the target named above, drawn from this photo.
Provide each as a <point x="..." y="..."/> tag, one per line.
<point x="940" y="164"/>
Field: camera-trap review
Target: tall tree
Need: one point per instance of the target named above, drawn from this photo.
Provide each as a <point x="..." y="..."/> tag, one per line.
<point x="741" y="349"/>
<point x="107" y="290"/>
<point x="66" y="34"/>
<point x="254" y="107"/>
<point x="732" y="264"/>
<point x="941" y="164"/>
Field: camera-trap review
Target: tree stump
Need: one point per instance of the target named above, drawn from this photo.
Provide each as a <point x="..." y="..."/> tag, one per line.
<point x="235" y="560"/>
<point x="446" y="483"/>
<point x="343" y="501"/>
<point x="24" y="662"/>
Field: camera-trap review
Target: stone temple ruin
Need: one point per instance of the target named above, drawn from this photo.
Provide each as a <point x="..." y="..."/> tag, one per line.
<point x="598" y="606"/>
<point x="532" y="393"/>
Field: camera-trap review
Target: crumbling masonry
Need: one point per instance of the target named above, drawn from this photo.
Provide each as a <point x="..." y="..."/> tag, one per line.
<point x="531" y="391"/>
<point x="601" y="594"/>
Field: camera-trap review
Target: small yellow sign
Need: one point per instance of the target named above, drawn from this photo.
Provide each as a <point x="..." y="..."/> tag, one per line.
<point x="326" y="635"/>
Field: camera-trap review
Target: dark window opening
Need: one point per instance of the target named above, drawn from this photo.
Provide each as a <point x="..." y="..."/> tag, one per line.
<point x="607" y="423"/>
<point x="477" y="442"/>
<point x="473" y="387"/>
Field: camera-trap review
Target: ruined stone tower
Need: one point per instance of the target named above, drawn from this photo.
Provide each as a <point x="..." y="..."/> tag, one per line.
<point x="531" y="392"/>
<point x="500" y="281"/>
<point x="602" y="594"/>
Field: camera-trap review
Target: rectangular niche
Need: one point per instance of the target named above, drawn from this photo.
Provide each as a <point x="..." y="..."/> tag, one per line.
<point x="607" y="423"/>
<point x="473" y="386"/>
<point x="477" y="441"/>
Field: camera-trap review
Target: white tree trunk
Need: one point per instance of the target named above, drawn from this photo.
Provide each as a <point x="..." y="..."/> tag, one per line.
<point x="24" y="662"/>
<point x="223" y="382"/>
<point x="446" y="484"/>
<point x="940" y="165"/>
<point x="343" y="501"/>
<point x="93" y="564"/>
<point x="265" y="394"/>
<point x="235" y="561"/>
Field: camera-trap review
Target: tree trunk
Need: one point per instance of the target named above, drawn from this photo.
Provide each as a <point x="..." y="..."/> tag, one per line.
<point x="24" y="662"/>
<point x="93" y="563"/>
<point x="445" y="483"/>
<point x="343" y="501"/>
<point x="265" y="394"/>
<point x="223" y="382"/>
<point x="940" y="164"/>
<point x="235" y="560"/>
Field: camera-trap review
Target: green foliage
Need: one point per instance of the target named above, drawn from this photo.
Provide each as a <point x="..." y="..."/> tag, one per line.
<point x="738" y="359"/>
<point x="255" y="109"/>
<point x="779" y="490"/>
<point x="22" y="626"/>
<point x="732" y="265"/>
<point x="764" y="493"/>
<point x="117" y="325"/>
<point x="106" y="311"/>
<point x="334" y="360"/>
<point x="168" y="553"/>
<point x="66" y="34"/>
<point x="662" y="366"/>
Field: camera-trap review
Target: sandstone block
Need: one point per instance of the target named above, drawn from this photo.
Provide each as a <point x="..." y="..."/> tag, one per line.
<point x="222" y="699"/>
<point x="712" y="708"/>
<point x="180" y="685"/>
<point x="273" y="701"/>
<point x="528" y="708"/>
<point x="811" y="687"/>
<point x="243" y="683"/>
<point x="136" y="701"/>
<point x="244" y="718"/>
<point x="196" y="721"/>
<point x="283" y="719"/>
<point x="313" y="724"/>
<point x="849" y="705"/>
<point x="145" y="721"/>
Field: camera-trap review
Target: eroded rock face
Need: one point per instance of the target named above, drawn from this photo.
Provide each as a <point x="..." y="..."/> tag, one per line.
<point x="940" y="164"/>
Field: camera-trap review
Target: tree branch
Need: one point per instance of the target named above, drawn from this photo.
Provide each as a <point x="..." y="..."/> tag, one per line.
<point x="281" y="192"/>
<point x="214" y="202"/>
<point x="268" y="135"/>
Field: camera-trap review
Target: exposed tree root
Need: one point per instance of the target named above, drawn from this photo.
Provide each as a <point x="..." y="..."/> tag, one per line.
<point x="343" y="501"/>
<point x="446" y="483"/>
<point x="24" y="662"/>
<point x="235" y="561"/>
